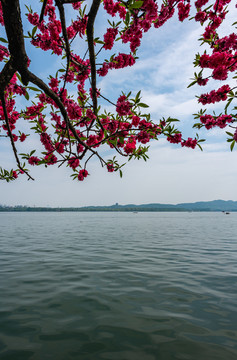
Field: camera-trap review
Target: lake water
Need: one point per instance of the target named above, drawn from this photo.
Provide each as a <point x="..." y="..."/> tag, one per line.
<point x="118" y="286"/>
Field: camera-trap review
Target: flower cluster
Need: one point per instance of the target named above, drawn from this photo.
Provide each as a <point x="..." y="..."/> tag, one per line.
<point x="118" y="62"/>
<point x="183" y="10"/>
<point x="109" y="38"/>
<point x="190" y="143"/>
<point x="123" y="106"/>
<point x="220" y="121"/>
<point x="215" y="95"/>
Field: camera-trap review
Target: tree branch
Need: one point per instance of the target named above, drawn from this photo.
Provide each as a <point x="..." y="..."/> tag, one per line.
<point x="6" y="74"/>
<point x="90" y="38"/>
<point x="42" y="10"/>
<point x="65" y="37"/>
<point x="14" y="30"/>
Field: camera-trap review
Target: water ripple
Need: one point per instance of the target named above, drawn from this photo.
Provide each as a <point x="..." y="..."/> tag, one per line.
<point x="118" y="286"/>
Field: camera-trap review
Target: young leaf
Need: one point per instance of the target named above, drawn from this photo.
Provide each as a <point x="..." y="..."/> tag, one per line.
<point x="143" y="105"/>
<point x="27" y="96"/>
<point x="3" y="40"/>
<point x="136" y="5"/>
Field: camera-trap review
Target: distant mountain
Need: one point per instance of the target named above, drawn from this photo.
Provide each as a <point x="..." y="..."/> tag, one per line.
<point x="215" y="205"/>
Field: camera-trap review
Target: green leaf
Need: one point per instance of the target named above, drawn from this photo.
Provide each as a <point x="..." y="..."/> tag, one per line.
<point x="33" y="88"/>
<point x="232" y="145"/>
<point x="32" y="152"/>
<point x="138" y="96"/>
<point x="192" y="83"/>
<point x="127" y="18"/>
<point x="143" y="105"/>
<point x="199" y="146"/>
<point x="27" y="96"/>
<point x="3" y="40"/>
<point x="172" y="119"/>
<point x="34" y="31"/>
<point x="136" y="5"/>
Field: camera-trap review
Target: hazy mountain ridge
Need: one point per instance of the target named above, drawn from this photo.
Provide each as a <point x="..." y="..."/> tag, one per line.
<point x="215" y="205"/>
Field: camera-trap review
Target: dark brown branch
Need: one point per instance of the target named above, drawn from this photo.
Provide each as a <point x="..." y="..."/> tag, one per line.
<point x="6" y="74"/>
<point x="14" y="31"/>
<point x="43" y="10"/>
<point x="90" y="38"/>
<point x="65" y="37"/>
<point x="64" y="28"/>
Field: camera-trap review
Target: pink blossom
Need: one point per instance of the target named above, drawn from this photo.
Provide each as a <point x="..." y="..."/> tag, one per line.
<point x="46" y="141"/>
<point x="123" y="106"/>
<point x="76" y="5"/>
<point x="14" y="174"/>
<point x="70" y="32"/>
<point x="54" y="84"/>
<point x="130" y="145"/>
<point x="175" y="139"/>
<point x="109" y="38"/>
<point x="220" y="73"/>
<point x="201" y="16"/>
<point x="73" y="162"/>
<point x="135" y="120"/>
<point x="110" y="167"/>
<point x="80" y="26"/>
<point x="22" y="137"/>
<point x="33" y="18"/>
<point x="50" y="159"/>
<point x="190" y="143"/>
<point x="33" y="160"/>
<point x="59" y="147"/>
<point x="80" y="148"/>
<point x="201" y="81"/>
<point x="208" y="121"/>
<point x="235" y="136"/>
<point x="82" y="174"/>
<point x="200" y="3"/>
<point x="215" y="96"/>
<point x="15" y="137"/>
<point x="183" y="10"/>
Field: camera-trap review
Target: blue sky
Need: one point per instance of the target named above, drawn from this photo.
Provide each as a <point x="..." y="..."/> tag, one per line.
<point x="172" y="174"/>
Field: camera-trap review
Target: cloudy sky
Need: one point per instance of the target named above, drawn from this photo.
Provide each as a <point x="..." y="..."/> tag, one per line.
<point x="172" y="174"/>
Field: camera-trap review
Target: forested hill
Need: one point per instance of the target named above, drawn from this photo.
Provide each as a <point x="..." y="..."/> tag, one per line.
<point x="216" y="205"/>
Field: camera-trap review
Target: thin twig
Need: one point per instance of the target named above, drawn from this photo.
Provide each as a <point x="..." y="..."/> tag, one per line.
<point x="65" y="37"/>
<point x="11" y="137"/>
